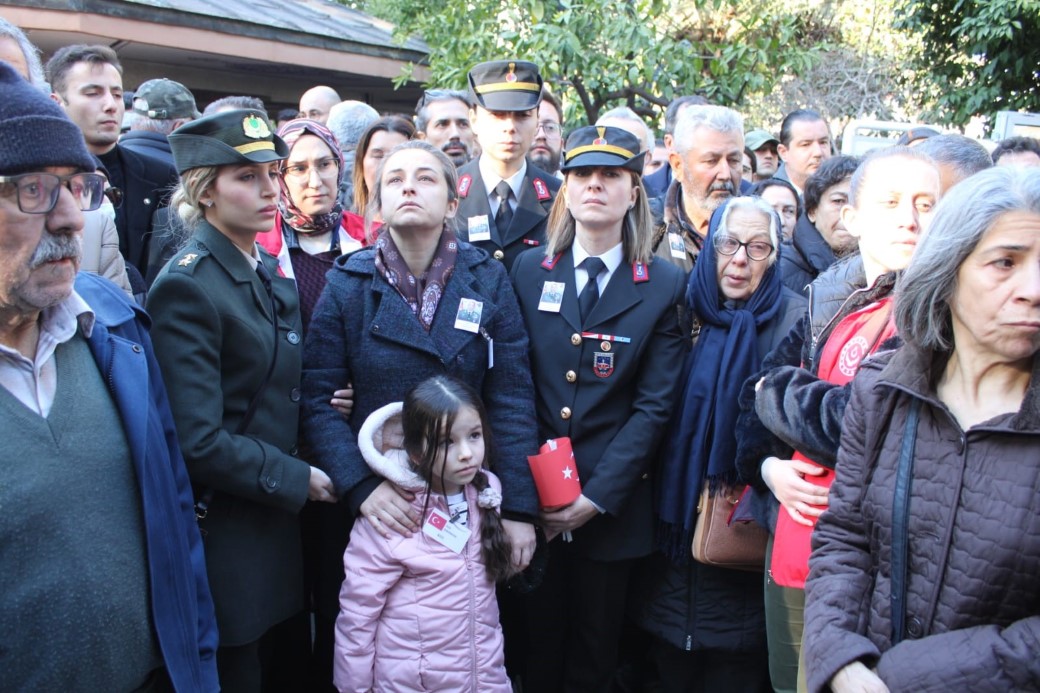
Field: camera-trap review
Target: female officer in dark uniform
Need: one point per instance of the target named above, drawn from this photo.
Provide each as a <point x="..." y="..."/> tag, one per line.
<point x="606" y="350"/>
<point x="227" y="335"/>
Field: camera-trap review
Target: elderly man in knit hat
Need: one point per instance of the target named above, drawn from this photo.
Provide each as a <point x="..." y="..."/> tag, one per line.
<point x="104" y="586"/>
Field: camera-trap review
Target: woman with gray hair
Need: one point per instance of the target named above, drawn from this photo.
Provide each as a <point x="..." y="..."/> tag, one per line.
<point x="923" y="574"/>
<point x="709" y="620"/>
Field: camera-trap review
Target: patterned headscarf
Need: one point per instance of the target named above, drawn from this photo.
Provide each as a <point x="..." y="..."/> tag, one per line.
<point x="291" y="215"/>
<point x="422" y="293"/>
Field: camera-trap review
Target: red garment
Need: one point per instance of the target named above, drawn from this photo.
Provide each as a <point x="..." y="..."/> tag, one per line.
<point x="853" y="339"/>
<point x="272" y="241"/>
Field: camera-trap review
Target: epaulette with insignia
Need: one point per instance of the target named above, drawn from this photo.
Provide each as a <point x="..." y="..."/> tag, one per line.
<point x="541" y="190"/>
<point x="464" y="184"/>
<point x="550" y="262"/>
<point x="188" y="259"/>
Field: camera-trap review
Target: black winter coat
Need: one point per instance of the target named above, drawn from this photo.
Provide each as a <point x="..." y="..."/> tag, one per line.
<point x="805" y="258"/>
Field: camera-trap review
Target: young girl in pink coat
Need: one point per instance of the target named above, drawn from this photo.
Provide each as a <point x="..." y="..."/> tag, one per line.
<point x="418" y="613"/>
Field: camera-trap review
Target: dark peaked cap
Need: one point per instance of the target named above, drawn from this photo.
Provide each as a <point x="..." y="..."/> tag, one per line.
<point x="506" y="85"/>
<point x="244" y="136"/>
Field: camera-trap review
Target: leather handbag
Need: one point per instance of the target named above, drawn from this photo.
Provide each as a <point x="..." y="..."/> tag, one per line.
<point x="720" y="541"/>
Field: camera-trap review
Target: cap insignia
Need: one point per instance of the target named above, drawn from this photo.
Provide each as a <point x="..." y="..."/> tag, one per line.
<point x="255" y="128"/>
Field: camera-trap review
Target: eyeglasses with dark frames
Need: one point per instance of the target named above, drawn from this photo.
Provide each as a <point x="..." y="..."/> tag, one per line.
<point x="37" y="193"/>
<point x="756" y="250"/>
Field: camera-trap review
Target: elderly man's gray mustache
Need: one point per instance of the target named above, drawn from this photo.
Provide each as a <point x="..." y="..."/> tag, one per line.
<point x="52" y="248"/>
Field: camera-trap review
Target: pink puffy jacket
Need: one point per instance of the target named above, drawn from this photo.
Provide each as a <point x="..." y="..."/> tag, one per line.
<point x="416" y="616"/>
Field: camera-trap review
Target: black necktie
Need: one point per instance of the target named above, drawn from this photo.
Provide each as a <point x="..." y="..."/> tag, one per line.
<point x="265" y="278"/>
<point x="505" y="212"/>
<point x="590" y="294"/>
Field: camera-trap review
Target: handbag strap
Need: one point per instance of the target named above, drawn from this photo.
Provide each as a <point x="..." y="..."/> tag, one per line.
<point x="900" y="521"/>
<point x="204" y="500"/>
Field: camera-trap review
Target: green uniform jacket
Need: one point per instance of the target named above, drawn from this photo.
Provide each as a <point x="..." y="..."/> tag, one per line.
<point x="215" y="340"/>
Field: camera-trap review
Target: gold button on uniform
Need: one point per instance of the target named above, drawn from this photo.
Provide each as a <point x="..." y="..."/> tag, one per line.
<point x="565" y="413"/>
<point x="576" y="339"/>
<point x="605" y="346"/>
<point x="571" y="376"/>
<point x="498" y="255"/>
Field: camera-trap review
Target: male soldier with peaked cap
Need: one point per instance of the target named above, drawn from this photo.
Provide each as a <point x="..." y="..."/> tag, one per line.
<point x="504" y="199"/>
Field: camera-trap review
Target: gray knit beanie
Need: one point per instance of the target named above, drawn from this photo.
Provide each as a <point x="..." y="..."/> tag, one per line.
<point x="34" y="131"/>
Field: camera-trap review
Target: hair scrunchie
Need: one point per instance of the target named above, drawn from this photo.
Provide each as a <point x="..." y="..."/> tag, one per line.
<point x="489" y="498"/>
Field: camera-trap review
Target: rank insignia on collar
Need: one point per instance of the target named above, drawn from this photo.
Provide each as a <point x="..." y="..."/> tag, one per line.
<point x="640" y="272"/>
<point x="187" y="259"/>
<point x="603" y="364"/>
<point x="464" y="184"/>
<point x="541" y="189"/>
<point x="550" y="262"/>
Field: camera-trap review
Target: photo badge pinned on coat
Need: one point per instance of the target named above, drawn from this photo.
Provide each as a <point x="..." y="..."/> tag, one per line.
<point x="443" y="531"/>
<point x="603" y="364"/>
<point x="552" y="297"/>
<point x="677" y="246"/>
<point x="479" y="228"/>
<point x="468" y="317"/>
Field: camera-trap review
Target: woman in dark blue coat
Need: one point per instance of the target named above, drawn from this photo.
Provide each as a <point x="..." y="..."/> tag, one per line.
<point x="606" y="349"/>
<point x="418" y="303"/>
<point x="709" y="621"/>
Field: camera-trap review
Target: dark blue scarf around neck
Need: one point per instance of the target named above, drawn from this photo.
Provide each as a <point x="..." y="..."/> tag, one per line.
<point x="701" y="441"/>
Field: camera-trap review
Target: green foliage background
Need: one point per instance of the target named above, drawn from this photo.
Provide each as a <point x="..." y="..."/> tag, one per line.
<point x="941" y="61"/>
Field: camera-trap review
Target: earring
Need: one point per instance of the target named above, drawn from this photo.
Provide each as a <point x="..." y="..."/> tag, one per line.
<point x="208" y="204"/>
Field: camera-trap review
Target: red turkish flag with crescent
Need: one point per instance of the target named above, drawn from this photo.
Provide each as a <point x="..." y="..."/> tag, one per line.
<point x="555" y="473"/>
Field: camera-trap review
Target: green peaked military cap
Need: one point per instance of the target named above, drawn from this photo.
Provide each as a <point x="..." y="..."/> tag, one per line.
<point x="243" y="136"/>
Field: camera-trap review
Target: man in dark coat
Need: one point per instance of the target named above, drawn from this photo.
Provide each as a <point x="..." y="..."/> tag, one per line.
<point x="504" y="199"/>
<point x="805" y="142"/>
<point x="88" y="83"/>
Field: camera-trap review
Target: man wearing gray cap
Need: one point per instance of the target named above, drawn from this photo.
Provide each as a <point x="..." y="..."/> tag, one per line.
<point x="504" y="199"/>
<point x="766" y="158"/>
<point x="160" y="107"/>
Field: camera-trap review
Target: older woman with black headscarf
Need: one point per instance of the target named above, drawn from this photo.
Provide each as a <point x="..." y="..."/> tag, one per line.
<point x="709" y="620"/>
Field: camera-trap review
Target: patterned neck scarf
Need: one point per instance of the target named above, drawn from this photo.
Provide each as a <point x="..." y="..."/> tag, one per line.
<point x="294" y="219"/>
<point x="422" y="293"/>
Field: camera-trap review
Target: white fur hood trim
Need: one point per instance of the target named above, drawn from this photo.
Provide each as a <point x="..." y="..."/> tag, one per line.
<point x="382" y="431"/>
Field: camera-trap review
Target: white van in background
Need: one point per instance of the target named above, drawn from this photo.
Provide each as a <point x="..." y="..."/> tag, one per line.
<point x="860" y="136"/>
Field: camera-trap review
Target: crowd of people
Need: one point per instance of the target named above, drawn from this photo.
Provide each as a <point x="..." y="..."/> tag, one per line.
<point x="272" y="392"/>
